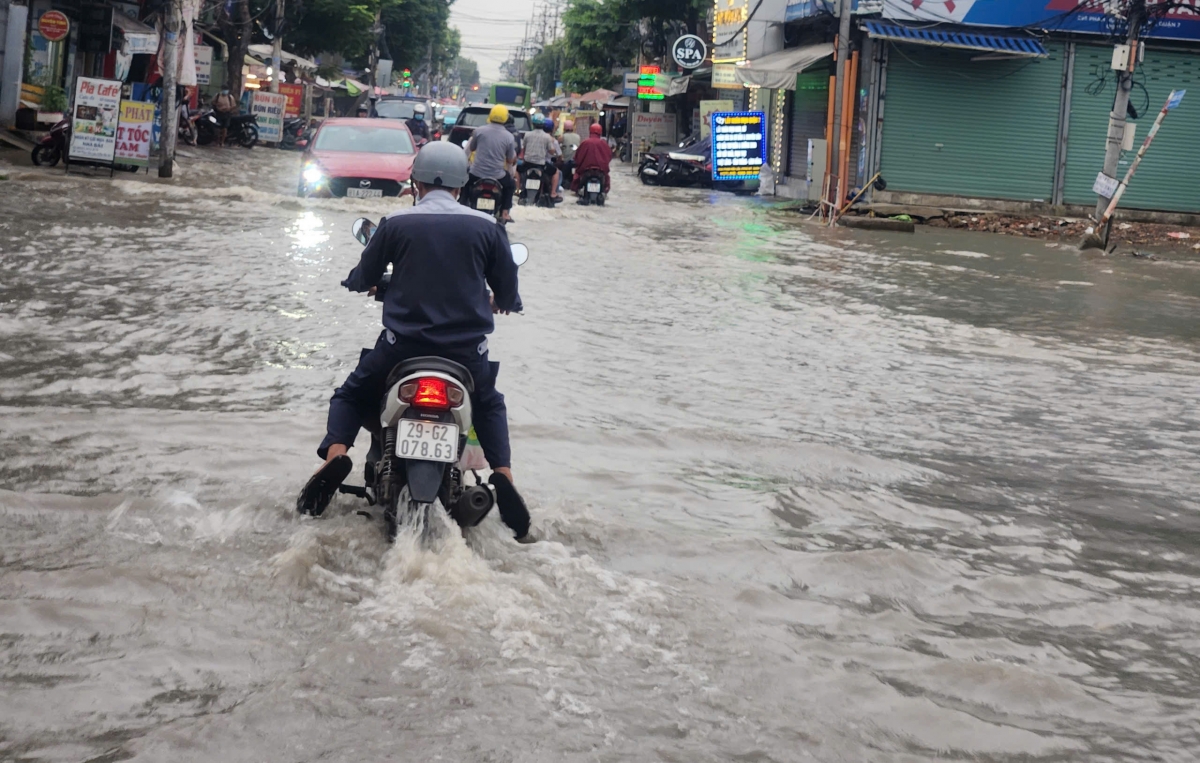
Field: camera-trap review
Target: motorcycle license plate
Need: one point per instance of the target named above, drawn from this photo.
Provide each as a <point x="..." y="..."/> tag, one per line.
<point x="364" y="193"/>
<point x="424" y="441"/>
<point x="593" y="187"/>
<point x="487" y="205"/>
<point x="533" y="184"/>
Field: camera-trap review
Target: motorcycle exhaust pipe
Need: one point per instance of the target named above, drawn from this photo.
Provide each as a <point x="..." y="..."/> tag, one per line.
<point x="472" y="506"/>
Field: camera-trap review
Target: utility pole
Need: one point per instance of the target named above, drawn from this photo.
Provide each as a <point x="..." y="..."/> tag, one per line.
<point x="1136" y="13"/>
<point x="172" y="26"/>
<point x="277" y="47"/>
<point x="376" y="30"/>
<point x="843" y="59"/>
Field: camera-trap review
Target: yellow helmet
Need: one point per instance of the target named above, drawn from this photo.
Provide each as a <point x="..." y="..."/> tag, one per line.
<point x="498" y="114"/>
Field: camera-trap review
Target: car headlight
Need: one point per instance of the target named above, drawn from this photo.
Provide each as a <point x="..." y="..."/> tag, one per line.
<point x="313" y="175"/>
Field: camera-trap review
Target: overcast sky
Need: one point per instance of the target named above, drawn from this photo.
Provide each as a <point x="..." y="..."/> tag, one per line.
<point x="490" y="29"/>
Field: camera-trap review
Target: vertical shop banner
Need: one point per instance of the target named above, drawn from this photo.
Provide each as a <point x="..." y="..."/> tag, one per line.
<point x="654" y="129"/>
<point x="730" y="19"/>
<point x="738" y="144"/>
<point x="295" y="98"/>
<point x="706" y="111"/>
<point x="94" y="120"/>
<point x="203" y="64"/>
<point x="268" y="108"/>
<point x="134" y="131"/>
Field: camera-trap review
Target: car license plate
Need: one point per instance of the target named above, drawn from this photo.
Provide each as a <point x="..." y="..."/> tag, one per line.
<point x="425" y="441"/>
<point x="363" y="193"/>
<point x="593" y="187"/>
<point x="533" y="184"/>
<point x="487" y="205"/>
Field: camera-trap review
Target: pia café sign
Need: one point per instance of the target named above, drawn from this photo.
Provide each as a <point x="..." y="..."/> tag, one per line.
<point x="689" y="51"/>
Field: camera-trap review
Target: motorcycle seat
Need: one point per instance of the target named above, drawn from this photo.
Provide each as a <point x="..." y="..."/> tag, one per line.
<point x="244" y="118"/>
<point x="432" y="363"/>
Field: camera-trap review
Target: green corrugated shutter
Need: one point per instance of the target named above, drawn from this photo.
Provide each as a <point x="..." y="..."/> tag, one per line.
<point x="953" y="126"/>
<point x="1169" y="177"/>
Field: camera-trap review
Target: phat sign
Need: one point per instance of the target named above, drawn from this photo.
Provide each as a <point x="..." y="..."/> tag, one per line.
<point x="689" y="51"/>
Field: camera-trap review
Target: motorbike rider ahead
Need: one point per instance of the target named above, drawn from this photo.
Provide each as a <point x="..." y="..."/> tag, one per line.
<point x="592" y="154"/>
<point x="493" y="152"/>
<point x="570" y="142"/>
<point x="416" y="123"/>
<point x="444" y="256"/>
<point x="541" y="149"/>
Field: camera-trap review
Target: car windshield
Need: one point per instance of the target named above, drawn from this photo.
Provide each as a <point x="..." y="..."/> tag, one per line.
<point x="363" y="139"/>
<point x="451" y="112"/>
<point x="478" y="118"/>
<point x="395" y="109"/>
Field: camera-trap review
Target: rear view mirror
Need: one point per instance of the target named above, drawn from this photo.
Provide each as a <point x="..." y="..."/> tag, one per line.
<point x="363" y="229"/>
<point x="520" y="254"/>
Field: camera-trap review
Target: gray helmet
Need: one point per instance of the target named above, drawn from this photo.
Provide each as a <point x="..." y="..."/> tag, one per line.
<point x="441" y="163"/>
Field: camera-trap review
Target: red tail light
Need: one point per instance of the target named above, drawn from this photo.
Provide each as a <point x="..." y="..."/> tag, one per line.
<point x="431" y="392"/>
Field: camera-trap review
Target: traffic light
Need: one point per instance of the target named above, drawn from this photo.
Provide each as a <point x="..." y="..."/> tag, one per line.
<point x="406" y="76"/>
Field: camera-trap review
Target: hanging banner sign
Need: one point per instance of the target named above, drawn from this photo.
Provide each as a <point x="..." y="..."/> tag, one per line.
<point x="724" y="77"/>
<point x="269" y="107"/>
<point x="729" y="31"/>
<point x="54" y="26"/>
<point x="134" y="133"/>
<point x="738" y="144"/>
<point x="203" y="64"/>
<point x="94" y="120"/>
<point x="295" y="98"/>
<point x="689" y="51"/>
<point x="1175" y="21"/>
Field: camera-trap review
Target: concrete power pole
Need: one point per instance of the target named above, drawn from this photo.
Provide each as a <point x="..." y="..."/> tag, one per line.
<point x="843" y="59"/>
<point x="277" y="47"/>
<point x="1136" y="14"/>
<point x="172" y="26"/>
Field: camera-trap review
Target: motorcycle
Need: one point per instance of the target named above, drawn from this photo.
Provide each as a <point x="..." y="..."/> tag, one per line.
<point x="687" y="164"/>
<point x="531" y="189"/>
<point x="293" y="129"/>
<point x="591" y="188"/>
<point x="243" y="129"/>
<point x="485" y="195"/>
<point x="53" y="146"/>
<point x="417" y="449"/>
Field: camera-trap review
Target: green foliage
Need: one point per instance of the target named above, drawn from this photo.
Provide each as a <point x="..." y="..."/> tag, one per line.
<point x="54" y="99"/>
<point x="468" y="71"/>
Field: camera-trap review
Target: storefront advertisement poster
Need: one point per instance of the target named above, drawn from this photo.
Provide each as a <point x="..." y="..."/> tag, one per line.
<point x="203" y="64"/>
<point x="706" y="110"/>
<point x="268" y="108"/>
<point x="295" y="98"/>
<point x="134" y="133"/>
<point x="653" y="129"/>
<point x="94" y="119"/>
<point x="738" y="144"/>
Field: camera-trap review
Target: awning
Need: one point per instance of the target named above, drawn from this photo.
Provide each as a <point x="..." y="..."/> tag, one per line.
<point x="265" y="52"/>
<point x="139" y="38"/>
<point x="778" y="71"/>
<point x="964" y="39"/>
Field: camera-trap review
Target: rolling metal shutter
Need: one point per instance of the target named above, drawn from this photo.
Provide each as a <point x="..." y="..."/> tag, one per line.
<point x="958" y="127"/>
<point x="1167" y="177"/>
<point x="809" y="103"/>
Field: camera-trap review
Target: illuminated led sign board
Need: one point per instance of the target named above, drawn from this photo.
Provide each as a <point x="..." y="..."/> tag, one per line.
<point x="738" y="144"/>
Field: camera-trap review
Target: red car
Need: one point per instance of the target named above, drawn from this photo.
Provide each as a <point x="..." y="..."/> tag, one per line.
<point x="359" y="158"/>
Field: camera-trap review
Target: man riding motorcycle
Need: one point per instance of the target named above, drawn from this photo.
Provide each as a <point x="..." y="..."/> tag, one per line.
<point x="493" y="152"/>
<point x="416" y="123"/>
<point x="444" y="257"/>
<point x="592" y="154"/>
<point x="540" y="151"/>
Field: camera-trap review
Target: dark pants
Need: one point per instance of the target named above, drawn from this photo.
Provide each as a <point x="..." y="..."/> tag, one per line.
<point x="508" y="187"/>
<point x="356" y="403"/>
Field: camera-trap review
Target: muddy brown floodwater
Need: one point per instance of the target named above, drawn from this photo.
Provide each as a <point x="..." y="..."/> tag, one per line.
<point x="806" y="495"/>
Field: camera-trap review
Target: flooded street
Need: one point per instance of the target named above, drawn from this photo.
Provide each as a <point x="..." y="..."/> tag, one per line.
<point x="805" y="494"/>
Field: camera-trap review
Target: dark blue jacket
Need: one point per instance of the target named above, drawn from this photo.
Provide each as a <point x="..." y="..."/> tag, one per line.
<point x="444" y="256"/>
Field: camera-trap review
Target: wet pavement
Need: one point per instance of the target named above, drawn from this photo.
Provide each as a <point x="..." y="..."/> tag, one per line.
<point x="806" y="494"/>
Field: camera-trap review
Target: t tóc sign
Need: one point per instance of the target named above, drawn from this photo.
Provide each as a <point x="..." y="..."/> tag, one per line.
<point x="738" y="144"/>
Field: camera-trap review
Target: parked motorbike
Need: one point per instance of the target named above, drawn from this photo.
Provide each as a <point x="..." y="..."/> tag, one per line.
<point x="418" y="446"/>
<point x="591" y="188"/>
<point x="53" y="146"/>
<point x="485" y="195"/>
<point x="687" y="164"/>
<point x="243" y="129"/>
<point x="532" y="191"/>
<point x="293" y="129"/>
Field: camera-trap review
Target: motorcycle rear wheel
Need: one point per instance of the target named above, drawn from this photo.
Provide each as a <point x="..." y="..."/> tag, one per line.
<point x="248" y="136"/>
<point x="46" y="156"/>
